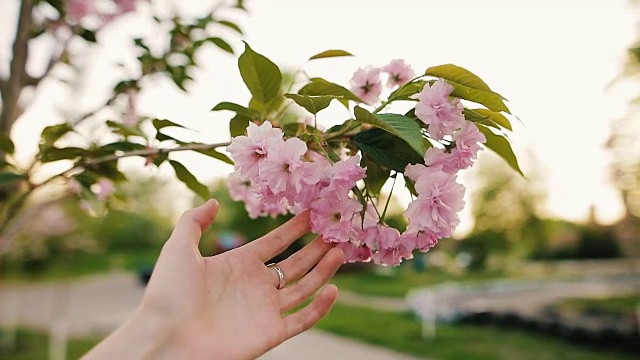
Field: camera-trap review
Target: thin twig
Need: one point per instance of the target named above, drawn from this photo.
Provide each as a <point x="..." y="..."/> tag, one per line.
<point x="151" y="152"/>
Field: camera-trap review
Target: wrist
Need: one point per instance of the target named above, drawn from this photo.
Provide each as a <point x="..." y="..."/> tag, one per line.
<point x="145" y="335"/>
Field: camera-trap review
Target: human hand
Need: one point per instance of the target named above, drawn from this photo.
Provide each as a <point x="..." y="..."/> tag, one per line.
<point x="229" y="306"/>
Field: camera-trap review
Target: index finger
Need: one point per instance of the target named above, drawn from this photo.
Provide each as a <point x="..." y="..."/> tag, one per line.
<point x="279" y="239"/>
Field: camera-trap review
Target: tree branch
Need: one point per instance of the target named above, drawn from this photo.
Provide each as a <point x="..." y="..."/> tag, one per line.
<point x="150" y="152"/>
<point x="14" y="84"/>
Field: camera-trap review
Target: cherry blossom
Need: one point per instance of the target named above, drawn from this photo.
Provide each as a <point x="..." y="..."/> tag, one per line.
<point x="276" y="176"/>
<point x="435" y="109"/>
<point x="366" y="84"/>
<point x="399" y="72"/>
<point x="251" y="150"/>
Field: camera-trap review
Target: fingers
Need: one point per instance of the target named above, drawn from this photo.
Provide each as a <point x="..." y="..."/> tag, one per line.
<point x="299" y="292"/>
<point x="299" y="263"/>
<point x="308" y="316"/>
<point x="277" y="241"/>
<point x="193" y="222"/>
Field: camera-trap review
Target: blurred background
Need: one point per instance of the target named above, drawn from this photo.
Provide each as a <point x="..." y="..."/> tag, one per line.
<point x="542" y="267"/>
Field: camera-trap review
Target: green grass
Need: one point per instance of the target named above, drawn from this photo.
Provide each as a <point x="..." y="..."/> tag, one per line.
<point x="33" y="345"/>
<point x="79" y="264"/>
<point x="401" y="332"/>
<point x="396" y="282"/>
<point x="616" y="306"/>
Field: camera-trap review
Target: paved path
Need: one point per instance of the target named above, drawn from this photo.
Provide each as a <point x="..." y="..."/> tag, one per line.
<point x="97" y="305"/>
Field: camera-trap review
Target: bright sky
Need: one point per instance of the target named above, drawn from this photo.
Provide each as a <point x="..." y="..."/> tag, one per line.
<point x="551" y="59"/>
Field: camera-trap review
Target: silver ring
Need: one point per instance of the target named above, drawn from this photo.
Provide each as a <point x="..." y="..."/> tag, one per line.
<point x="277" y="268"/>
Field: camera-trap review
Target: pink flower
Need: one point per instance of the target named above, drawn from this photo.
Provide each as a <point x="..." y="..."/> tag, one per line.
<point x="399" y="73"/>
<point x="392" y="256"/>
<point x="469" y="138"/>
<point x="104" y="188"/>
<point x="380" y="236"/>
<point x="439" y="200"/>
<point x="434" y="108"/>
<point x="366" y="84"/>
<point x="354" y="252"/>
<point x="125" y="6"/>
<point x="347" y="172"/>
<point x="78" y="9"/>
<point x="420" y="240"/>
<point x="332" y="214"/>
<point x="238" y="186"/>
<point x="386" y="240"/>
<point x="249" y="152"/>
<point x="283" y="164"/>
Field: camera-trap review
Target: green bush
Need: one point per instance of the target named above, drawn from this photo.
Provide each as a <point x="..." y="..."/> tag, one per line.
<point x="121" y="230"/>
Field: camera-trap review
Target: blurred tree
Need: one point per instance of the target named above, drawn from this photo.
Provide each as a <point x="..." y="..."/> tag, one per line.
<point x="506" y="207"/>
<point x="624" y="144"/>
<point x="89" y="144"/>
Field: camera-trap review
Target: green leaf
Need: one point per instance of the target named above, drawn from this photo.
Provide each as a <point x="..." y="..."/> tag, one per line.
<point x="122" y="146"/>
<point x="261" y="75"/>
<point x="88" y="35"/>
<point x="69" y="153"/>
<point x="411" y="185"/>
<point x="487" y="117"/>
<point x="158" y="159"/>
<point x="108" y="170"/>
<point x="313" y="104"/>
<point x="458" y="75"/>
<point x="468" y="86"/>
<point x="52" y="133"/>
<point x="188" y="179"/>
<point x="238" y="109"/>
<point x="163" y="123"/>
<point x="238" y="125"/>
<point x="216" y="155"/>
<point x="489" y="99"/>
<point x="320" y="86"/>
<point x="408" y="90"/>
<point x="231" y="26"/>
<point x="124" y="130"/>
<point x="8" y="178"/>
<point x="501" y="146"/>
<point x="376" y="176"/>
<point x="330" y="54"/>
<point x="401" y="126"/>
<point x="6" y="144"/>
<point x="221" y="44"/>
<point x="386" y="149"/>
<point x="475" y="117"/>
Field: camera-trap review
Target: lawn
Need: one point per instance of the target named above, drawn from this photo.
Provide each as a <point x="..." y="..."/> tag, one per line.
<point x="401" y="332"/>
<point x="614" y="306"/>
<point x="33" y="345"/>
<point x="396" y="282"/>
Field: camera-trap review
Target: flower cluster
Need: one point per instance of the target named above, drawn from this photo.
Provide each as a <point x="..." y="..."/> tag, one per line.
<point x="276" y="176"/>
<point x="367" y="85"/>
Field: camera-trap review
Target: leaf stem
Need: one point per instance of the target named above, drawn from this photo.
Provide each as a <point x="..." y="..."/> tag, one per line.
<point x="386" y="205"/>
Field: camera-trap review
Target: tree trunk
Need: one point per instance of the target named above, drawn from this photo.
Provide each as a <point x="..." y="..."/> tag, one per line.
<point x="13" y="85"/>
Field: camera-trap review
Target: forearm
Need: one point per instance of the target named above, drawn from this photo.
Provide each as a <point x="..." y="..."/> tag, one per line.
<point x="143" y="336"/>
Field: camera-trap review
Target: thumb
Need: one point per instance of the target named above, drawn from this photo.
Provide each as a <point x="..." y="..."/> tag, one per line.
<point x="193" y="222"/>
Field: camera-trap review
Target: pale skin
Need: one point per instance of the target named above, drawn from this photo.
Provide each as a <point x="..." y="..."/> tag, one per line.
<point x="225" y="306"/>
